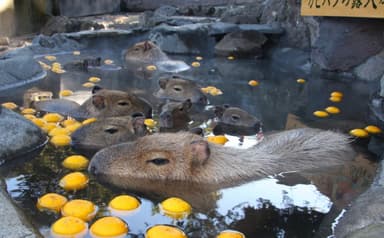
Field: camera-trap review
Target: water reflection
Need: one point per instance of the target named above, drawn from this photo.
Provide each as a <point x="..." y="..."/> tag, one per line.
<point x="283" y="206"/>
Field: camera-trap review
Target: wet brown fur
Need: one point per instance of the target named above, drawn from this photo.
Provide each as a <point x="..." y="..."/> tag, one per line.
<point x="192" y="159"/>
<point x="145" y="52"/>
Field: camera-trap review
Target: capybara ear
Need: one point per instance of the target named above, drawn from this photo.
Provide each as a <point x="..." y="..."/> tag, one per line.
<point x="187" y="104"/>
<point x="98" y="101"/>
<point x="163" y="82"/>
<point x="219" y="111"/>
<point x="200" y="152"/>
<point x="147" y="45"/>
<point x="96" y="88"/>
<point x="139" y="126"/>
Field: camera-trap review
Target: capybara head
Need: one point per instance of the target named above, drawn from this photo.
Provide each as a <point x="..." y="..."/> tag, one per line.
<point x="112" y="103"/>
<point x="108" y="131"/>
<point x="144" y="52"/>
<point x="175" y="115"/>
<point x="177" y="88"/>
<point x="235" y="121"/>
<point x="153" y="157"/>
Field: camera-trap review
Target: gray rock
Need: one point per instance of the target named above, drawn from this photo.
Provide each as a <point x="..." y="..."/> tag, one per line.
<point x="57" y="42"/>
<point x="364" y="218"/>
<point x="18" y="69"/>
<point x="243" y="14"/>
<point x="14" y="223"/>
<point x="372" y="69"/>
<point x="346" y="43"/>
<point x="185" y="39"/>
<point x="382" y="86"/>
<point x="18" y="135"/>
<point x="62" y="24"/>
<point x="73" y="8"/>
<point x="241" y="44"/>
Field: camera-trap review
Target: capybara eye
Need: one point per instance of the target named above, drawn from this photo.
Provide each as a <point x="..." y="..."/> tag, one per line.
<point x="111" y="130"/>
<point x="159" y="161"/>
<point x="181" y="109"/>
<point x="123" y="103"/>
<point x="136" y="49"/>
<point x="177" y="89"/>
<point x="235" y="117"/>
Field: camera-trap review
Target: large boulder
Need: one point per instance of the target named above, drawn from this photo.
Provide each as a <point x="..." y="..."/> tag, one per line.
<point x="62" y="24"/>
<point x="241" y="44"/>
<point x="344" y="43"/>
<point x="18" y="135"/>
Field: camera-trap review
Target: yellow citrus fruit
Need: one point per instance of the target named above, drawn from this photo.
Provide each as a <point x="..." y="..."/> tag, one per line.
<point x="373" y="129"/>
<point x="47" y="127"/>
<point x="151" y="68"/>
<point x="73" y="127"/>
<point x="68" y="122"/>
<point x="88" y="121"/>
<point x="80" y="208"/>
<point x="359" y="133"/>
<point x="69" y="227"/>
<point x="9" y="105"/>
<point x="336" y="94"/>
<point x="176" y="206"/>
<point x="50" y="57"/>
<point x="124" y="202"/>
<point x="215" y="92"/>
<point x="44" y="65"/>
<point x="94" y="79"/>
<point x="108" y="227"/>
<point x="58" y="70"/>
<point x="199" y="58"/>
<point x="60" y="140"/>
<point x="108" y="61"/>
<point x="59" y="131"/>
<point x="28" y="111"/>
<point x="51" y="201"/>
<point x="161" y="231"/>
<point x="300" y="80"/>
<point x="52" y="117"/>
<point x="29" y="116"/>
<point x="231" y="57"/>
<point x="320" y="114"/>
<point x="88" y="85"/>
<point x="230" y="234"/>
<point x="253" y="83"/>
<point x="150" y="122"/>
<point x="220" y="139"/>
<point x="39" y="122"/>
<point x="75" y="162"/>
<point x="332" y="110"/>
<point x="66" y="93"/>
<point x="335" y="99"/>
<point x="74" y="181"/>
<point x="195" y="64"/>
<point x="76" y="52"/>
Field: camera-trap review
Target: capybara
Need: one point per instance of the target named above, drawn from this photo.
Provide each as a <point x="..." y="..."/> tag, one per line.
<point x="235" y="121"/>
<point x="178" y="88"/>
<point x="144" y="53"/>
<point x="183" y="156"/>
<point x="108" y="131"/>
<point x="175" y="115"/>
<point x="102" y="103"/>
<point x="35" y="94"/>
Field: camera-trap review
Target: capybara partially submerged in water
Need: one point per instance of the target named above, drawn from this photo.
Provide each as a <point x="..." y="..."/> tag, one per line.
<point x="178" y="88"/>
<point x="108" y="131"/>
<point x="235" y="121"/>
<point x="103" y="103"/>
<point x="175" y="115"/>
<point x="187" y="157"/>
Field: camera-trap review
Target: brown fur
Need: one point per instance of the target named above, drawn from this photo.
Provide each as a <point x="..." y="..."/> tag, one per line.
<point x="187" y="157"/>
<point x="108" y="131"/>
<point x="175" y="115"/>
<point x="145" y="52"/>
<point x="178" y="88"/>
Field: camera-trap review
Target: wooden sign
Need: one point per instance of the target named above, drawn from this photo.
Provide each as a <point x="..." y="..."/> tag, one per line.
<point x="345" y="8"/>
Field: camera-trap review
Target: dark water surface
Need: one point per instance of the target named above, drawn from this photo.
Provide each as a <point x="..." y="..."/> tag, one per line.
<point x="290" y="205"/>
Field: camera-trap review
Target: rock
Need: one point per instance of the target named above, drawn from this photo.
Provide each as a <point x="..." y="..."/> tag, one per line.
<point x="241" y="44"/>
<point x="372" y="68"/>
<point x="72" y="8"/>
<point x="18" y="135"/>
<point x="382" y="86"/>
<point x="344" y="43"/>
<point x="364" y="218"/>
<point x="185" y="39"/>
<point x="243" y="14"/>
<point x="4" y="40"/>
<point x="18" y="70"/>
<point x="57" y="42"/>
<point x="62" y="24"/>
